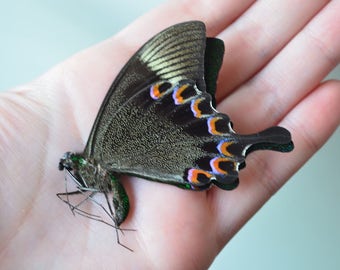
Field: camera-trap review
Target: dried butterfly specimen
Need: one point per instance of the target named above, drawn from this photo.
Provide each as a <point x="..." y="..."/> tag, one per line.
<point x="158" y="122"/>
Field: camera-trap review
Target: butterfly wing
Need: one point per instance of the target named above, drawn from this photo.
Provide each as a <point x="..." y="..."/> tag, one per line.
<point x="174" y="54"/>
<point x="157" y="120"/>
<point x="213" y="58"/>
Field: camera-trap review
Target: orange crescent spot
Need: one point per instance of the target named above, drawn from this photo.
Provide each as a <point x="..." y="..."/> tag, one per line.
<point x="178" y="94"/>
<point x="154" y="92"/>
<point x="215" y="165"/>
<point x="194" y="107"/>
<point x="223" y="148"/>
<point x="193" y="176"/>
<point x="212" y="126"/>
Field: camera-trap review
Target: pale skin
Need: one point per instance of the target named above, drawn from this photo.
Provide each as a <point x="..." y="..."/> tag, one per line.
<point x="277" y="54"/>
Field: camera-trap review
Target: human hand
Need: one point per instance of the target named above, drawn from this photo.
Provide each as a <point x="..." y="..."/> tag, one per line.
<point x="258" y="87"/>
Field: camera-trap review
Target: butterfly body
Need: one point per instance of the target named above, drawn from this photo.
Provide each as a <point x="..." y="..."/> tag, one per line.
<point x="158" y="122"/>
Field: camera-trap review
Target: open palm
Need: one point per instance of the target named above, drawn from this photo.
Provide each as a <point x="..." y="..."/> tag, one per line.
<point x="277" y="54"/>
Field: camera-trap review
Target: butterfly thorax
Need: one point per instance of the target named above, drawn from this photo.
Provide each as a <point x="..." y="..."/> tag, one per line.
<point x="87" y="173"/>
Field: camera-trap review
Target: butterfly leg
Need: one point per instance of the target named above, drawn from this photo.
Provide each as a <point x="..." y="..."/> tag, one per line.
<point x="112" y="216"/>
<point x="75" y="209"/>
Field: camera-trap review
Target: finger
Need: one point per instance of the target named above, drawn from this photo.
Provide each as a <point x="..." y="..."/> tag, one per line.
<point x="217" y="15"/>
<point x="311" y="122"/>
<point x="290" y="76"/>
<point x="104" y="61"/>
<point x="258" y="35"/>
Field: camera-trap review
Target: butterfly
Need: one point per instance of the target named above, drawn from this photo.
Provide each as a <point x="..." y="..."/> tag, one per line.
<point x="158" y="121"/>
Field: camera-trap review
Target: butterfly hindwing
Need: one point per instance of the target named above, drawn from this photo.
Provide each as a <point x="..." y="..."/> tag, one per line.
<point x="162" y="146"/>
<point x="158" y="120"/>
